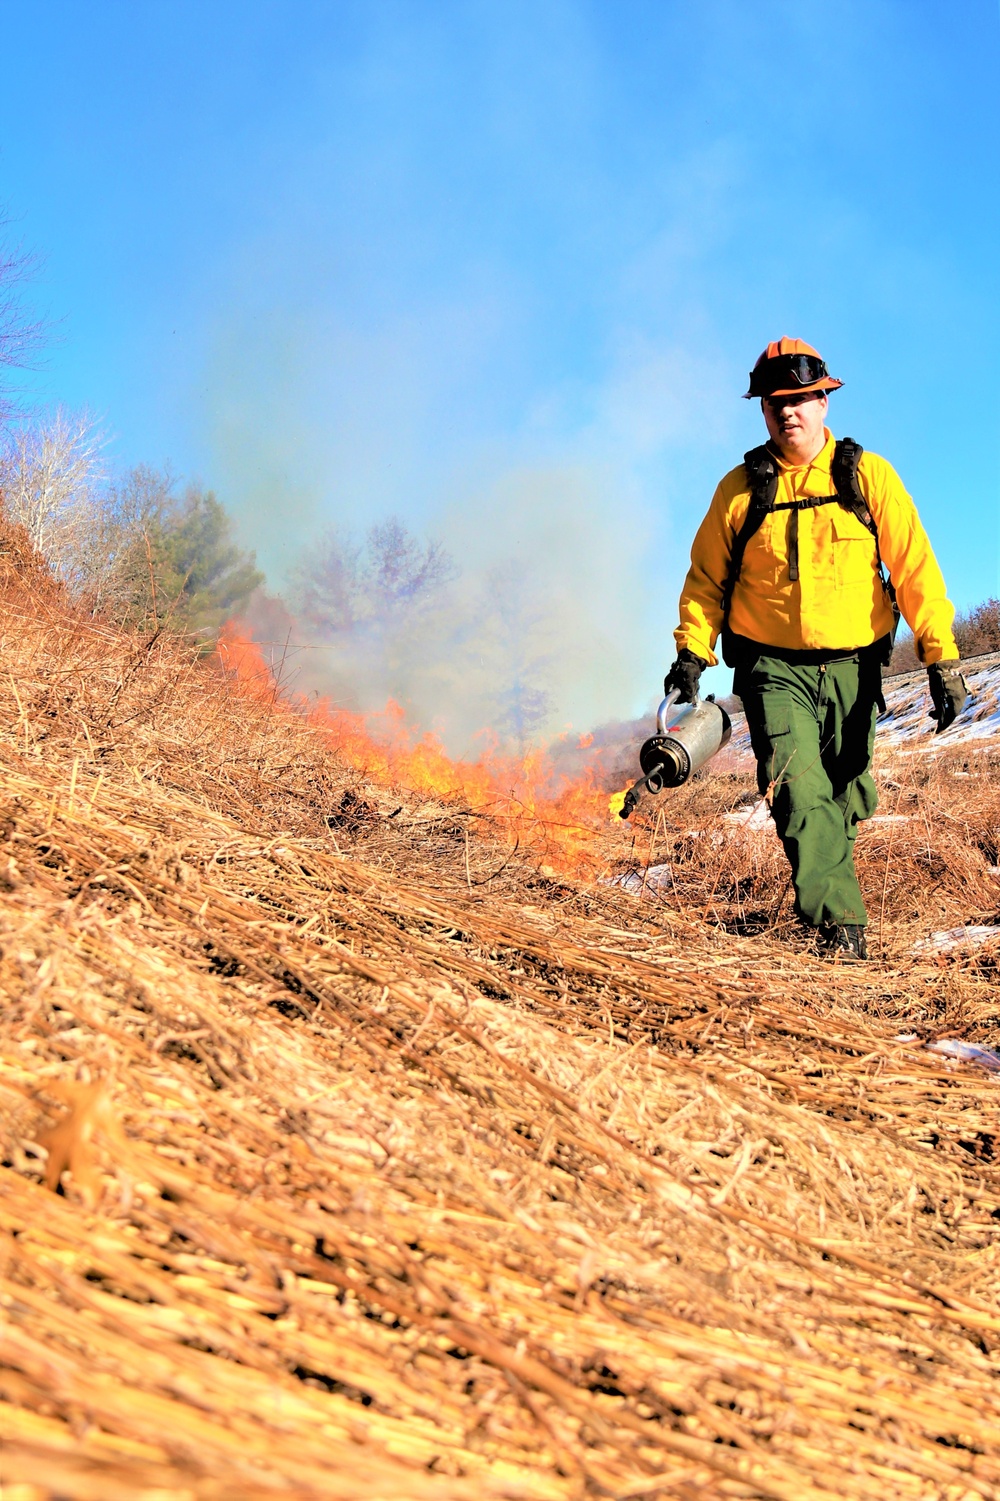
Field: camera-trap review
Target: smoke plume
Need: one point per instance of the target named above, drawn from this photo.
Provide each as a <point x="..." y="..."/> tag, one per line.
<point x="503" y="629"/>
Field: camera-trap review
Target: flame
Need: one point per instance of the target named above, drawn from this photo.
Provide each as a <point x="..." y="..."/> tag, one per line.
<point x="616" y="803"/>
<point x="558" y="824"/>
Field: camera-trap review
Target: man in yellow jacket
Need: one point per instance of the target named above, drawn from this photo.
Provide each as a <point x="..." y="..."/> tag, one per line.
<point x="788" y="567"/>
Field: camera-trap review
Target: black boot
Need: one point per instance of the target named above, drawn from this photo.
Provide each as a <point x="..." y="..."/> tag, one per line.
<point x="842" y="941"/>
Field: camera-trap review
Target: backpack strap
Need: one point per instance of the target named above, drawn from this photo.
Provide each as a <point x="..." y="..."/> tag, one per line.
<point x="844" y="473"/>
<point x="762" y="481"/>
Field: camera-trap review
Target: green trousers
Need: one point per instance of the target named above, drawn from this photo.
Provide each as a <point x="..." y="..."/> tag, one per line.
<point x="812" y="728"/>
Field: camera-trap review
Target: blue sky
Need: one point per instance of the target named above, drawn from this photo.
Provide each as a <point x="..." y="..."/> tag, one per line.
<point x="501" y="268"/>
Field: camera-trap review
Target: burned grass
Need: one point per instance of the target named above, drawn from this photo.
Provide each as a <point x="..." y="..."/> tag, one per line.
<point x="388" y="1164"/>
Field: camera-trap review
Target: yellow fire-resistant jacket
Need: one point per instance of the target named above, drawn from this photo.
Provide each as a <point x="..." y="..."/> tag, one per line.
<point x="838" y="601"/>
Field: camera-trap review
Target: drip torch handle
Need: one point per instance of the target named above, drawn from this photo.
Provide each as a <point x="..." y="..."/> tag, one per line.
<point x="663" y="712"/>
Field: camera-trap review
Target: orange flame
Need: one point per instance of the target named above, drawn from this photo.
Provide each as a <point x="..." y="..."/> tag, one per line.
<point x="558" y="825"/>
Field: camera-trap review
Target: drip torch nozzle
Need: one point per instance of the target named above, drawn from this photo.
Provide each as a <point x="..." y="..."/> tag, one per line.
<point x="632" y="797"/>
<point x="659" y="774"/>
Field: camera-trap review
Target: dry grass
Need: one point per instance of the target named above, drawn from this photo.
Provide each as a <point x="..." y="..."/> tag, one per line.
<point x="391" y="1168"/>
<point x="928" y="860"/>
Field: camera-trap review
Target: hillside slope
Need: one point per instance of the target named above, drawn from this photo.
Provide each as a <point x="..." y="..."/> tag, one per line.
<point x="392" y="1167"/>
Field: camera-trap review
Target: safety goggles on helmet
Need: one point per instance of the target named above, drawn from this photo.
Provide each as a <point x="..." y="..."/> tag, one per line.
<point x="786" y="371"/>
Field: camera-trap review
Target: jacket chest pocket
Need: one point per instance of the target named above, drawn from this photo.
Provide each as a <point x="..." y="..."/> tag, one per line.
<point x="853" y="551"/>
<point x="766" y="556"/>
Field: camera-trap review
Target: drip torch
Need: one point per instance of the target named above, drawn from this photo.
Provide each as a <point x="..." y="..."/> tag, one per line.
<point x="687" y="735"/>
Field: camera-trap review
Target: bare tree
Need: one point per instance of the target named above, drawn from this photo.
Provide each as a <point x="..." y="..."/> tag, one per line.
<point x="376" y="587"/>
<point x="380" y="610"/>
<point x="327" y="589"/>
<point x="50" y="477"/>
<point x="392" y="625"/>
<point x="400" y="574"/>
<point x="146" y="555"/>
<point x="126" y="546"/>
<point x="514" y="630"/>
<point x="113" y="549"/>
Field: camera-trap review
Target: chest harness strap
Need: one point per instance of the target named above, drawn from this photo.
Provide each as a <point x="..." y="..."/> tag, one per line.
<point x="762" y="480"/>
<point x="762" y="477"/>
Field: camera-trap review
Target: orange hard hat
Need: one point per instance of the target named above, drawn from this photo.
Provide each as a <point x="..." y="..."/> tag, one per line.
<point x="788" y="367"/>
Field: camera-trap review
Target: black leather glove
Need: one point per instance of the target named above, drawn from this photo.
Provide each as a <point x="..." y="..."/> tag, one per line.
<point x="949" y="692"/>
<point x="685" y="675"/>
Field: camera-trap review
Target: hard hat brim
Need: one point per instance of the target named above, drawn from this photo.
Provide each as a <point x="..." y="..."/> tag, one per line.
<point x="828" y="383"/>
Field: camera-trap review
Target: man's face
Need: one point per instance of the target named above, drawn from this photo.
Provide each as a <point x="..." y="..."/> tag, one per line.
<point x="795" y="423"/>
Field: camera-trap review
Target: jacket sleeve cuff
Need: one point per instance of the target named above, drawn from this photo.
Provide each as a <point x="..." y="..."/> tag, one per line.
<point x="930" y="652"/>
<point x="686" y="641"/>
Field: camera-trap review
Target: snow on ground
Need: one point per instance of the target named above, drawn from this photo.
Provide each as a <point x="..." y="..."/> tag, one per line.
<point x="965" y="1052"/>
<point x="945" y="942"/>
<point x="643" y="883"/>
<point x="959" y="1050"/>
<point x="906" y="725"/>
<point x="906" y="722"/>
<point x="756" y="818"/>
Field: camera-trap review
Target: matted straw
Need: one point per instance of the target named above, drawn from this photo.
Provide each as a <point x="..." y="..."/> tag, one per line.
<point x="390" y="1167"/>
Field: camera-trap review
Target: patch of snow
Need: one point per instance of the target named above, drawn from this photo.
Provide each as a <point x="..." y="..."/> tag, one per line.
<point x="965" y="1052"/>
<point x="908" y="707"/>
<point x="956" y="938"/>
<point x="954" y="1047"/>
<point x="757" y="817"/>
<point x="906" y="724"/>
<point x="642" y="883"/>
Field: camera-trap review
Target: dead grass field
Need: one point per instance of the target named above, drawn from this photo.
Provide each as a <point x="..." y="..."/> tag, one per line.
<point x="393" y="1167"/>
